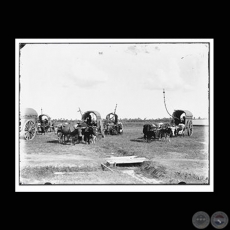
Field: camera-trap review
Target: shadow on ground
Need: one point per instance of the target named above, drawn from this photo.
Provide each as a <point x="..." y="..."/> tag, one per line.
<point x="53" y="142"/>
<point x="66" y="143"/>
<point x="138" y="140"/>
<point x="141" y="140"/>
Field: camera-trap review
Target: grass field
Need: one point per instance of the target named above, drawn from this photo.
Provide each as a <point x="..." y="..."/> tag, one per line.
<point x="182" y="159"/>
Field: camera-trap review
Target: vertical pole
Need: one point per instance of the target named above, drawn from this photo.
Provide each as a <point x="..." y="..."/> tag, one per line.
<point x="115" y="109"/>
<point x="80" y="111"/>
<point x="165" y="104"/>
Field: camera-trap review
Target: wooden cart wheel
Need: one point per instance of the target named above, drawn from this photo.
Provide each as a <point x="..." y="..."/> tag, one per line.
<point x="29" y="130"/>
<point x="190" y="129"/>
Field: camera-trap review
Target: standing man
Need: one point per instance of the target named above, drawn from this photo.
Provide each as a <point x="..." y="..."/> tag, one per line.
<point x="89" y="119"/>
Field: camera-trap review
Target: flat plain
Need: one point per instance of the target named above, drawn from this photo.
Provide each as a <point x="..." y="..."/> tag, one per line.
<point x="185" y="159"/>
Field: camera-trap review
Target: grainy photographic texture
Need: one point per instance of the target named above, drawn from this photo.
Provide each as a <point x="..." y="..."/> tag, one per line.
<point x="114" y="114"/>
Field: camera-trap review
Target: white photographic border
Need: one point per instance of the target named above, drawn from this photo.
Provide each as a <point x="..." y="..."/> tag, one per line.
<point x="117" y="188"/>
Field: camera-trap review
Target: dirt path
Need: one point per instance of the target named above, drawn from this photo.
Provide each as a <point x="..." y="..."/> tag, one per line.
<point x="82" y="178"/>
<point x="75" y="169"/>
<point x="143" y="179"/>
<point x="70" y="169"/>
<point x="79" y="169"/>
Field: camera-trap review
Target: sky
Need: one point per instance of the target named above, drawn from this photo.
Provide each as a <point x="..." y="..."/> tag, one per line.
<point x="61" y="78"/>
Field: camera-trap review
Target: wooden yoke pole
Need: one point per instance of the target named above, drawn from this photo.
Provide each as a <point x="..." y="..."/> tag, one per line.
<point x="80" y="111"/>
<point x="165" y="104"/>
<point x="115" y="109"/>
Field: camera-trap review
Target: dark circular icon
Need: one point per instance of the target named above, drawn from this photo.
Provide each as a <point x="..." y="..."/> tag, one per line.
<point x="48" y="183"/>
<point x="200" y="220"/>
<point x="182" y="182"/>
<point x="219" y="220"/>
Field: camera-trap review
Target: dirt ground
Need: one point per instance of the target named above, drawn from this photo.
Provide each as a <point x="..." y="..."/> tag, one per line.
<point x="185" y="159"/>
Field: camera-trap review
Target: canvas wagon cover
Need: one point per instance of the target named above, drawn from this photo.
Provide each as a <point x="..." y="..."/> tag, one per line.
<point x="84" y="116"/>
<point x="99" y="120"/>
<point x="177" y="113"/>
<point x="29" y="113"/>
<point x="45" y="115"/>
<point x="108" y="116"/>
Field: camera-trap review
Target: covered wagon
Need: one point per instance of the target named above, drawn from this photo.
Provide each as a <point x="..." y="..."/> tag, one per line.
<point x="111" y="124"/>
<point x="44" y="123"/>
<point x="87" y="118"/>
<point x="183" y="117"/>
<point x="181" y="120"/>
<point x="28" y="123"/>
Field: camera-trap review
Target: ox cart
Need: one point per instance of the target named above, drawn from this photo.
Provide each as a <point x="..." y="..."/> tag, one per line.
<point x="184" y="117"/>
<point x="28" y="123"/>
<point x="111" y="124"/>
<point x="90" y="125"/>
<point x="181" y="119"/>
<point x="44" y="124"/>
<point x="96" y="122"/>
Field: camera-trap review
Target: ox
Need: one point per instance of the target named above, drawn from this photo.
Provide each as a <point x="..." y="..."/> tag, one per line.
<point x="149" y="131"/>
<point x="165" y="133"/>
<point x="174" y="131"/>
<point x="90" y="134"/>
<point x="181" y="130"/>
<point x="68" y="130"/>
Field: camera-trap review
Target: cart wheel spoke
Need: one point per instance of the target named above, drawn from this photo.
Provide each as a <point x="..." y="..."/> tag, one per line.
<point x="32" y="132"/>
<point x="29" y="130"/>
<point x="26" y="135"/>
<point x="26" y="127"/>
<point x="190" y="130"/>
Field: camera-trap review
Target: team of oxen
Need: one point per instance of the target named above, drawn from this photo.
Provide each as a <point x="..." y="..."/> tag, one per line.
<point x="162" y="131"/>
<point x="84" y="133"/>
<point x="87" y="130"/>
<point x="81" y="132"/>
